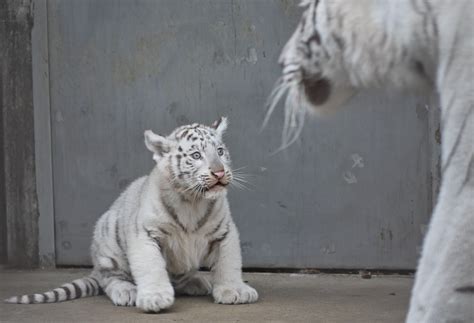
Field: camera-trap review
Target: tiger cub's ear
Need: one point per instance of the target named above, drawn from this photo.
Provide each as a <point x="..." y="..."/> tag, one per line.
<point x="157" y="144"/>
<point x="220" y="125"/>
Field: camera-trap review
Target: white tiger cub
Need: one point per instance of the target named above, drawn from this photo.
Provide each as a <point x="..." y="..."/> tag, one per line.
<point x="164" y="227"/>
<point x="340" y="46"/>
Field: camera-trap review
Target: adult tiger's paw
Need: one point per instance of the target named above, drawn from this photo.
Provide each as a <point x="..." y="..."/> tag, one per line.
<point x="156" y="300"/>
<point x="234" y="294"/>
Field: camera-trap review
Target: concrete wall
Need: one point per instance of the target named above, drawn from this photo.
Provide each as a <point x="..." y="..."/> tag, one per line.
<point x="19" y="219"/>
<point x="354" y="192"/>
<point x="3" y="215"/>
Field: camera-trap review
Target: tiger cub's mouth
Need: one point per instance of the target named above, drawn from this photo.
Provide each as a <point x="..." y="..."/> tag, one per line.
<point x="217" y="186"/>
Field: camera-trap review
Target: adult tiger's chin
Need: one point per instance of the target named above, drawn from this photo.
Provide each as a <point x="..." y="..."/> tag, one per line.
<point x="323" y="97"/>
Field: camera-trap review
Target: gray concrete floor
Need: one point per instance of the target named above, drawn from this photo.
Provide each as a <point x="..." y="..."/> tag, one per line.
<point x="283" y="298"/>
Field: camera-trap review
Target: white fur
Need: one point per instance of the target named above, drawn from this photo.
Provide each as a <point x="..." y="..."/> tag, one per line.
<point x="161" y="247"/>
<point x="406" y="44"/>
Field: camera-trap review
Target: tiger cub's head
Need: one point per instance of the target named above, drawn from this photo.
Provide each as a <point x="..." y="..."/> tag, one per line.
<point x="195" y="159"/>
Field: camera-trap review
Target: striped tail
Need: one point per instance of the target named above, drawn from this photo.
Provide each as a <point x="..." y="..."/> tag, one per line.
<point x="83" y="287"/>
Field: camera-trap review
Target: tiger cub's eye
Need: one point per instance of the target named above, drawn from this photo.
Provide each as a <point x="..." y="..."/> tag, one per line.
<point x="196" y="155"/>
<point x="220" y="151"/>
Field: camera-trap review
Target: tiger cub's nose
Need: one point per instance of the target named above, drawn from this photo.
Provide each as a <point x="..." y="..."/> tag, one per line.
<point x="219" y="174"/>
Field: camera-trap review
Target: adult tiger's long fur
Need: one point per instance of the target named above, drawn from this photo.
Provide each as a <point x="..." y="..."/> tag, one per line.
<point x="164" y="227"/>
<point x="340" y="46"/>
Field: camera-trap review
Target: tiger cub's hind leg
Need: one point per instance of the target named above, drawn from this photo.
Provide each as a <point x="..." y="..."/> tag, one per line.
<point x="194" y="285"/>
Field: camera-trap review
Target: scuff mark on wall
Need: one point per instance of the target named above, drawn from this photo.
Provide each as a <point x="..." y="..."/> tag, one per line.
<point x="180" y="118"/>
<point x="221" y="58"/>
<point x="349" y="177"/>
<point x="282" y="205"/>
<point x="438" y="136"/>
<point x="251" y="57"/>
<point x="328" y="249"/>
<point x="66" y="245"/>
<point x="63" y="226"/>
<point x="246" y="246"/>
<point x="358" y="161"/>
<point x="421" y="111"/>
<point x="59" y="116"/>
<point x="386" y="234"/>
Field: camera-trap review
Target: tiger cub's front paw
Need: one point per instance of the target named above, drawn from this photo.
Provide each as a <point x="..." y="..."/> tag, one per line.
<point x="234" y="294"/>
<point x="155" y="300"/>
<point x="122" y="293"/>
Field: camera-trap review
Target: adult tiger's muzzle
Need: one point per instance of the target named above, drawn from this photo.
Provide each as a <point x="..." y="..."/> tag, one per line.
<point x="324" y="96"/>
<point x="316" y="91"/>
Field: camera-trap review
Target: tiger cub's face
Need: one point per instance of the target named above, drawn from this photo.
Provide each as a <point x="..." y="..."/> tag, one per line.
<point x="195" y="158"/>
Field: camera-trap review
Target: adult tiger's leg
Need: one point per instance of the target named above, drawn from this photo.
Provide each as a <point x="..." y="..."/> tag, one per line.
<point x="444" y="284"/>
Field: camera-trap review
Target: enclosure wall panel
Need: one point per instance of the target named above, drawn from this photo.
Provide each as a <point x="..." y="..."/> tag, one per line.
<point x="353" y="192"/>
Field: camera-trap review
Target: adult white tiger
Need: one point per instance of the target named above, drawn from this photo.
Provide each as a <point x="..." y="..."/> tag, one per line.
<point x="342" y="45"/>
<point x="164" y="227"/>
